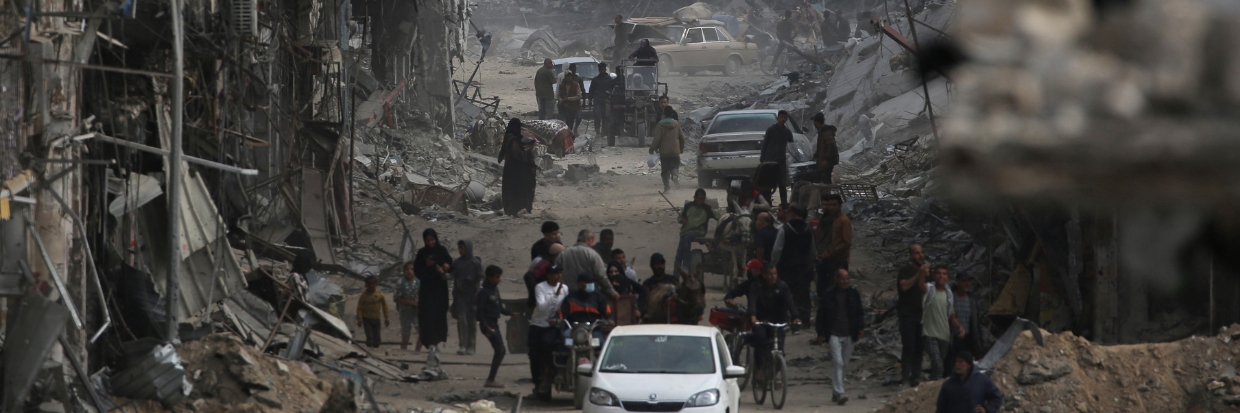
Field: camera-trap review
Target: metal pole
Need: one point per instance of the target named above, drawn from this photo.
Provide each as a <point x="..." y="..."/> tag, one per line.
<point x="912" y="28"/>
<point x="174" y="172"/>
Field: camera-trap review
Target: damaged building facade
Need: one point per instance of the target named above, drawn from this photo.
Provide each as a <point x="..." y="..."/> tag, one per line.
<point x="185" y="141"/>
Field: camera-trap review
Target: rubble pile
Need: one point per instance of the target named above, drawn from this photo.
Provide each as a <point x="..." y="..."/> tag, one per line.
<point x="1071" y="374"/>
<point x="231" y="376"/>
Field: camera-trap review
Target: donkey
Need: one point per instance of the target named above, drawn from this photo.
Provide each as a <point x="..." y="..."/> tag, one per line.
<point x="682" y="303"/>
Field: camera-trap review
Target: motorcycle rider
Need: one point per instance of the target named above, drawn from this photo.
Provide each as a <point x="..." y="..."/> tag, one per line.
<point x="583" y="306"/>
<point x="769" y="301"/>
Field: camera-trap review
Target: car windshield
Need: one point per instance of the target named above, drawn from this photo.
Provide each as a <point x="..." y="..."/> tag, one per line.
<point x="674" y="32"/>
<point x="586" y="70"/>
<point x="742" y="122"/>
<point x="659" y="355"/>
<point x="747" y="122"/>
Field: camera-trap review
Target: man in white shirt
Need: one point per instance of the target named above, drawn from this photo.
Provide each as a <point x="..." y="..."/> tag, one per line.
<point x="542" y="335"/>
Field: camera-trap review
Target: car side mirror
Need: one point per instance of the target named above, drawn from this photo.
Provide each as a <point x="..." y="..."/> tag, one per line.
<point x="588" y="370"/>
<point x="804" y="129"/>
<point x="734" y="372"/>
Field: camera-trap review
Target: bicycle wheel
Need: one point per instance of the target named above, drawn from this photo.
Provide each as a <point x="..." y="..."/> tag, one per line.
<point x="760" y="387"/>
<point x="779" y="381"/>
<point x="742" y="355"/>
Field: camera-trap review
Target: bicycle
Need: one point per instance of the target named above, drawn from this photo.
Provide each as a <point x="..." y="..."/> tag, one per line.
<point x="776" y="370"/>
<point x="736" y="328"/>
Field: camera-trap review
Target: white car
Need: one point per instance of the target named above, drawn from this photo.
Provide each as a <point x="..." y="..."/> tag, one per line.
<point x="663" y="368"/>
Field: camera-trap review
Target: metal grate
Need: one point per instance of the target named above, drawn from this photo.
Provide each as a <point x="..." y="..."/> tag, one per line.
<point x="653" y="406"/>
<point x="245" y="16"/>
<point x="858" y="191"/>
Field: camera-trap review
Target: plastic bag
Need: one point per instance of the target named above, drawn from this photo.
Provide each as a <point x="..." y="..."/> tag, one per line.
<point x="653" y="160"/>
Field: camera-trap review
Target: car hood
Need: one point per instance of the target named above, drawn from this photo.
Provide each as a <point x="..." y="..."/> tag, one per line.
<point x="666" y="387"/>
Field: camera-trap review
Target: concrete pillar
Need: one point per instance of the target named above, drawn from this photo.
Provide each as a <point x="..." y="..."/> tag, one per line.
<point x="437" y="40"/>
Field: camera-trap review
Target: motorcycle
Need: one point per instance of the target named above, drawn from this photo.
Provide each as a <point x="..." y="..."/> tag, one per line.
<point x="581" y="346"/>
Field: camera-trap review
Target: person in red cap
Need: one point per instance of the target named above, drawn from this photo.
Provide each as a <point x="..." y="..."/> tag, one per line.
<point x="754" y="270"/>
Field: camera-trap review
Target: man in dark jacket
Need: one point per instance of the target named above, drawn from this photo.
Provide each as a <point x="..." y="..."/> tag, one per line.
<point x="769" y="301"/>
<point x="775" y="149"/>
<point x="753" y="271"/>
<point x="968" y="391"/>
<point x="551" y="235"/>
<point x="764" y="237"/>
<point x="600" y="94"/>
<point x="826" y="151"/>
<point x="794" y="256"/>
<point x="544" y="82"/>
<point x="785" y="32"/>
<point x="841" y="317"/>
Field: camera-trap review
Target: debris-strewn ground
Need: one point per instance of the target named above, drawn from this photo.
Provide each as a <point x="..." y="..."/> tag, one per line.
<point x="1071" y="374"/>
<point x="231" y="376"/>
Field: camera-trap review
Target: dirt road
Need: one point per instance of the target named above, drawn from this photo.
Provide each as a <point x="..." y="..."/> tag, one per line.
<point x="624" y="198"/>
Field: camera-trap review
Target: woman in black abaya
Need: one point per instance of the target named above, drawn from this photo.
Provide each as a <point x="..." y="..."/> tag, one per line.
<point x="517" y="190"/>
<point x="430" y="265"/>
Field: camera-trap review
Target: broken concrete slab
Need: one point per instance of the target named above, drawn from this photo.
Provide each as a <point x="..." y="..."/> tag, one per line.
<point x="38" y="323"/>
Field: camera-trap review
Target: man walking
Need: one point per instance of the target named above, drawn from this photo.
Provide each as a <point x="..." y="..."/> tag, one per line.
<point x="669" y="142"/>
<point x="833" y="240"/>
<point x="794" y="257"/>
<point x="600" y="94"/>
<point x="467" y="275"/>
<point x="938" y="320"/>
<point x="785" y="32"/>
<point x="968" y="391"/>
<point x="544" y="82"/>
<point x="490" y="307"/>
<point x="693" y="220"/>
<point x="775" y="149"/>
<point x="911" y="286"/>
<point x="581" y="258"/>
<point x="842" y="319"/>
<point x="826" y="153"/>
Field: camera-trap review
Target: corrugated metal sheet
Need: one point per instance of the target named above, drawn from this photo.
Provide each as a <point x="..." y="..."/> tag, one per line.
<point x="154" y="372"/>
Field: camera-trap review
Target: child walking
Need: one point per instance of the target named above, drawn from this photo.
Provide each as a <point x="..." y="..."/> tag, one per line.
<point x="489" y="309"/>
<point x="406" y="299"/>
<point x="372" y="306"/>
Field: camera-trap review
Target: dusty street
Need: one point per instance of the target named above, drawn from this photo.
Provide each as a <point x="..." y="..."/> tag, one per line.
<point x="623" y="198"/>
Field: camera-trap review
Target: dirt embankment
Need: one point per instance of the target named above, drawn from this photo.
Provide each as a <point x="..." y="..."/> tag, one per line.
<point x="1071" y="374"/>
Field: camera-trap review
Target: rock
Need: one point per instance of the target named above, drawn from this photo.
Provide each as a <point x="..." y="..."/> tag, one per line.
<point x="282" y="367"/>
<point x="269" y="398"/>
<point x="250" y="377"/>
<point x="548" y="215"/>
<point x="238" y="356"/>
<point x="1039" y="371"/>
<point x="341" y="398"/>
<point x="1046" y="409"/>
<point x="1214" y="385"/>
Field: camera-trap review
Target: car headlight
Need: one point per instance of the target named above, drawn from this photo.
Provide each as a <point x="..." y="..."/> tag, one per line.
<point x="703" y="398"/>
<point x="581" y="336"/>
<point x="602" y="397"/>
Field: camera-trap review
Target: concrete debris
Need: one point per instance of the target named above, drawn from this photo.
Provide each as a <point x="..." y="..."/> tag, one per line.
<point x="154" y="371"/>
<point x="471" y="396"/>
<point x="1073" y="374"/>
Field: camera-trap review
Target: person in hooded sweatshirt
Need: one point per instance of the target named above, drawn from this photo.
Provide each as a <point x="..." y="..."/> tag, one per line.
<point x="968" y="391"/>
<point x="467" y="273"/>
<point x="431" y="266"/>
<point x="793" y="256"/>
<point x="669" y="142"/>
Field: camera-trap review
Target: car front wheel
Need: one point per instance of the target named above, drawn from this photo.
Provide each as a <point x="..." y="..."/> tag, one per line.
<point x="665" y="64"/>
<point x="732" y="66"/>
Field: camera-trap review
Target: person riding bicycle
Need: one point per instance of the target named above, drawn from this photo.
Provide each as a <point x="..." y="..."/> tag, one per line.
<point x="770" y="300"/>
<point x="753" y="272"/>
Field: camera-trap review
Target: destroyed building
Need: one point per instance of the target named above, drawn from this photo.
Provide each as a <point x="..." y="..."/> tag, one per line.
<point x="160" y="162"/>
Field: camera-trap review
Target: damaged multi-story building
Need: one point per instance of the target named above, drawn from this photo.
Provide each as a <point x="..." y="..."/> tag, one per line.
<point x="255" y="103"/>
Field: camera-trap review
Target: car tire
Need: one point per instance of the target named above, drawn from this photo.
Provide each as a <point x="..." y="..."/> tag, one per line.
<point x="705" y="179"/>
<point x="665" y="64"/>
<point x="732" y="66"/>
<point x="579" y="394"/>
